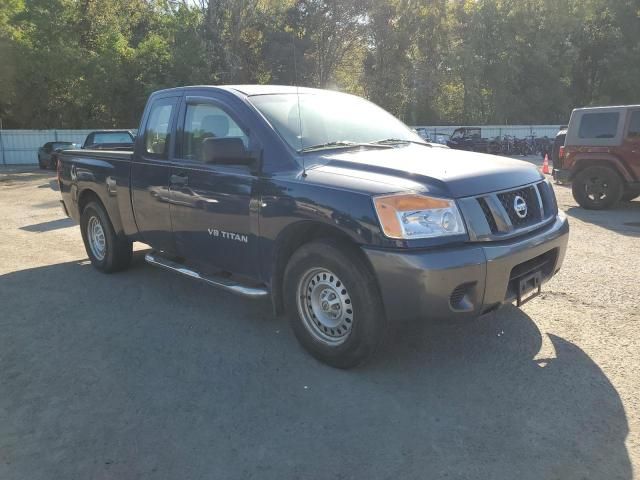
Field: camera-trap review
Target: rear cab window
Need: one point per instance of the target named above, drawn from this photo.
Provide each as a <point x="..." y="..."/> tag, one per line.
<point x="112" y="137"/>
<point x="599" y="125"/>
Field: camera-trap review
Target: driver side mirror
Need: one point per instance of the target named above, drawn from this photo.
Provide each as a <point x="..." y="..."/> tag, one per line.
<point x="226" y="151"/>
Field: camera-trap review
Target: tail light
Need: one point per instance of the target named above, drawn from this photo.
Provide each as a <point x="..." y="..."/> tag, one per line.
<point x="561" y="153"/>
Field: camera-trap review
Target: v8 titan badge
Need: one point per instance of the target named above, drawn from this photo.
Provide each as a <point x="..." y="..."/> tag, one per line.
<point x="214" y="232"/>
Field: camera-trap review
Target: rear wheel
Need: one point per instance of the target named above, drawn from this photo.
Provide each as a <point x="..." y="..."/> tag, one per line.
<point x="107" y="251"/>
<point x="333" y="304"/>
<point x="40" y="164"/>
<point x="597" y="188"/>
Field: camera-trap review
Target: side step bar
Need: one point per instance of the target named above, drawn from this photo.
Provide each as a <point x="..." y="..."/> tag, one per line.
<point x="224" y="283"/>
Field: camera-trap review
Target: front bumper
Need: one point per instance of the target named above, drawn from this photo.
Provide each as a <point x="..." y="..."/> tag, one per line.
<point x="468" y="281"/>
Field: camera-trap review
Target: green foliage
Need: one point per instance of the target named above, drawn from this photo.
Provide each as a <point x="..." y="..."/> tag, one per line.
<point x="92" y="63"/>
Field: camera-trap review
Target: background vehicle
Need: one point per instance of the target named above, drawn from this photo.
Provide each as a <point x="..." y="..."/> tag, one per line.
<point x="423" y="134"/>
<point x="432" y="137"/>
<point x="53" y="161"/>
<point x="466" y="138"/>
<point x="601" y="155"/>
<point x="325" y="202"/>
<point x="109" y="140"/>
<point x="45" y="151"/>
<point x="440" y="138"/>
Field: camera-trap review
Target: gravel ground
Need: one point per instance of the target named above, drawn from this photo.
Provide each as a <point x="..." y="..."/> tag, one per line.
<point x="145" y="374"/>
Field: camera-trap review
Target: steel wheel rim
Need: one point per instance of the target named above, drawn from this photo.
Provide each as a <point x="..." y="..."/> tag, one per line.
<point x="325" y="306"/>
<point x="96" y="237"/>
<point x="596" y="189"/>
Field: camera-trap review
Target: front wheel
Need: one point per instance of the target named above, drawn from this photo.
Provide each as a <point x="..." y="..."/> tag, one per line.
<point x="597" y="188"/>
<point x="107" y="251"/>
<point x="333" y="304"/>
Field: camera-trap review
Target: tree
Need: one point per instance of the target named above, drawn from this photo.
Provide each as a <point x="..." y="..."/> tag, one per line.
<point x="92" y="63"/>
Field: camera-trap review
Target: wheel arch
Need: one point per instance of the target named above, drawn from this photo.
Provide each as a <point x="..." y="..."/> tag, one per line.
<point x="608" y="161"/>
<point x="295" y="236"/>
<point x="87" y="195"/>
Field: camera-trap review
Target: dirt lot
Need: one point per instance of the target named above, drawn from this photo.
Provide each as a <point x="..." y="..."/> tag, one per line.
<point x="145" y="374"/>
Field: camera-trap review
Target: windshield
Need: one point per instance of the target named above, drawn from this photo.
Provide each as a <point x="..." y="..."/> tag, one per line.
<point x="330" y="118"/>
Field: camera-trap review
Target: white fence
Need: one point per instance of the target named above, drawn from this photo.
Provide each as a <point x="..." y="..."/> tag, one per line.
<point x="21" y="146"/>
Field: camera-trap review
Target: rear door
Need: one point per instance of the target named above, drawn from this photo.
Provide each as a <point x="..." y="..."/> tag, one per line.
<point x="214" y="217"/>
<point x="150" y="172"/>
<point x="630" y="150"/>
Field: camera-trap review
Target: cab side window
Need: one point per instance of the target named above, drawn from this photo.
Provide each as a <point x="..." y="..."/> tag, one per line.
<point x="158" y="129"/>
<point x="634" y="125"/>
<point x="203" y="121"/>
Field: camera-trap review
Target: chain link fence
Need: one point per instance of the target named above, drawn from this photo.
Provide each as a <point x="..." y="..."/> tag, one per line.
<point x="493" y="131"/>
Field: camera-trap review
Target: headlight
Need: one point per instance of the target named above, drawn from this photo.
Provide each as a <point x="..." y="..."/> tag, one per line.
<point x="406" y="216"/>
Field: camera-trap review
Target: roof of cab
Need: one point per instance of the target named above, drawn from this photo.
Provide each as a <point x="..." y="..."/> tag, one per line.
<point x="112" y="130"/>
<point x="249" y="90"/>
<point x="603" y="107"/>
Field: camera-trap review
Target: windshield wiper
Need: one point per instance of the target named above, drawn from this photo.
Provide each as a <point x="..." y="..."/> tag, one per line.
<point x="342" y="144"/>
<point x="395" y="141"/>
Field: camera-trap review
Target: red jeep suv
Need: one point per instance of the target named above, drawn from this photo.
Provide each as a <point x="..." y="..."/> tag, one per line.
<point x="601" y="156"/>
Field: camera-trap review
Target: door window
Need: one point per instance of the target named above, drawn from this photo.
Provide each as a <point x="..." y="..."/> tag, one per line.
<point x="634" y="125"/>
<point x="203" y="121"/>
<point x="158" y="131"/>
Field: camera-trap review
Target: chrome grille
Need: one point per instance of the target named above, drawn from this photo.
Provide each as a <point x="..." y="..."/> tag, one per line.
<point x="533" y="212"/>
<point x="493" y="216"/>
<point x="488" y="215"/>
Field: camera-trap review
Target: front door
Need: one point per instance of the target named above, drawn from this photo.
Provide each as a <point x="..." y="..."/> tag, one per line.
<point x="213" y="221"/>
<point x="150" y="172"/>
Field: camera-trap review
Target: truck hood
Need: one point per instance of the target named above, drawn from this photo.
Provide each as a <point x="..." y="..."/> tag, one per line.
<point x="438" y="170"/>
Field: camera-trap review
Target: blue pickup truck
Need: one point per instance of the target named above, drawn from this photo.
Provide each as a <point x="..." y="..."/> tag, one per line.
<point x="322" y="201"/>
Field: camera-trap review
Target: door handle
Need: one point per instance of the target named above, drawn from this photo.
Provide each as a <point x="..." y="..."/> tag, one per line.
<point x="180" y="179"/>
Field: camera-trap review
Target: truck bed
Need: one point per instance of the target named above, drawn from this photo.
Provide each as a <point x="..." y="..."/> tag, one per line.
<point x="105" y="172"/>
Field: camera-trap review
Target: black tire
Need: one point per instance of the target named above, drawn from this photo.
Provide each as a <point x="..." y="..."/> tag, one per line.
<point x="627" y="197"/>
<point x="597" y="188"/>
<point x="40" y="164"/>
<point x="367" y="323"/>
<point x="118" y="250"/>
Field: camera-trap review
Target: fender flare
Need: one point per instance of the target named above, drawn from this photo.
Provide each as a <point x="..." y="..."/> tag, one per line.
<point x="584" y="160"/>
<point x="110" y="207"/>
